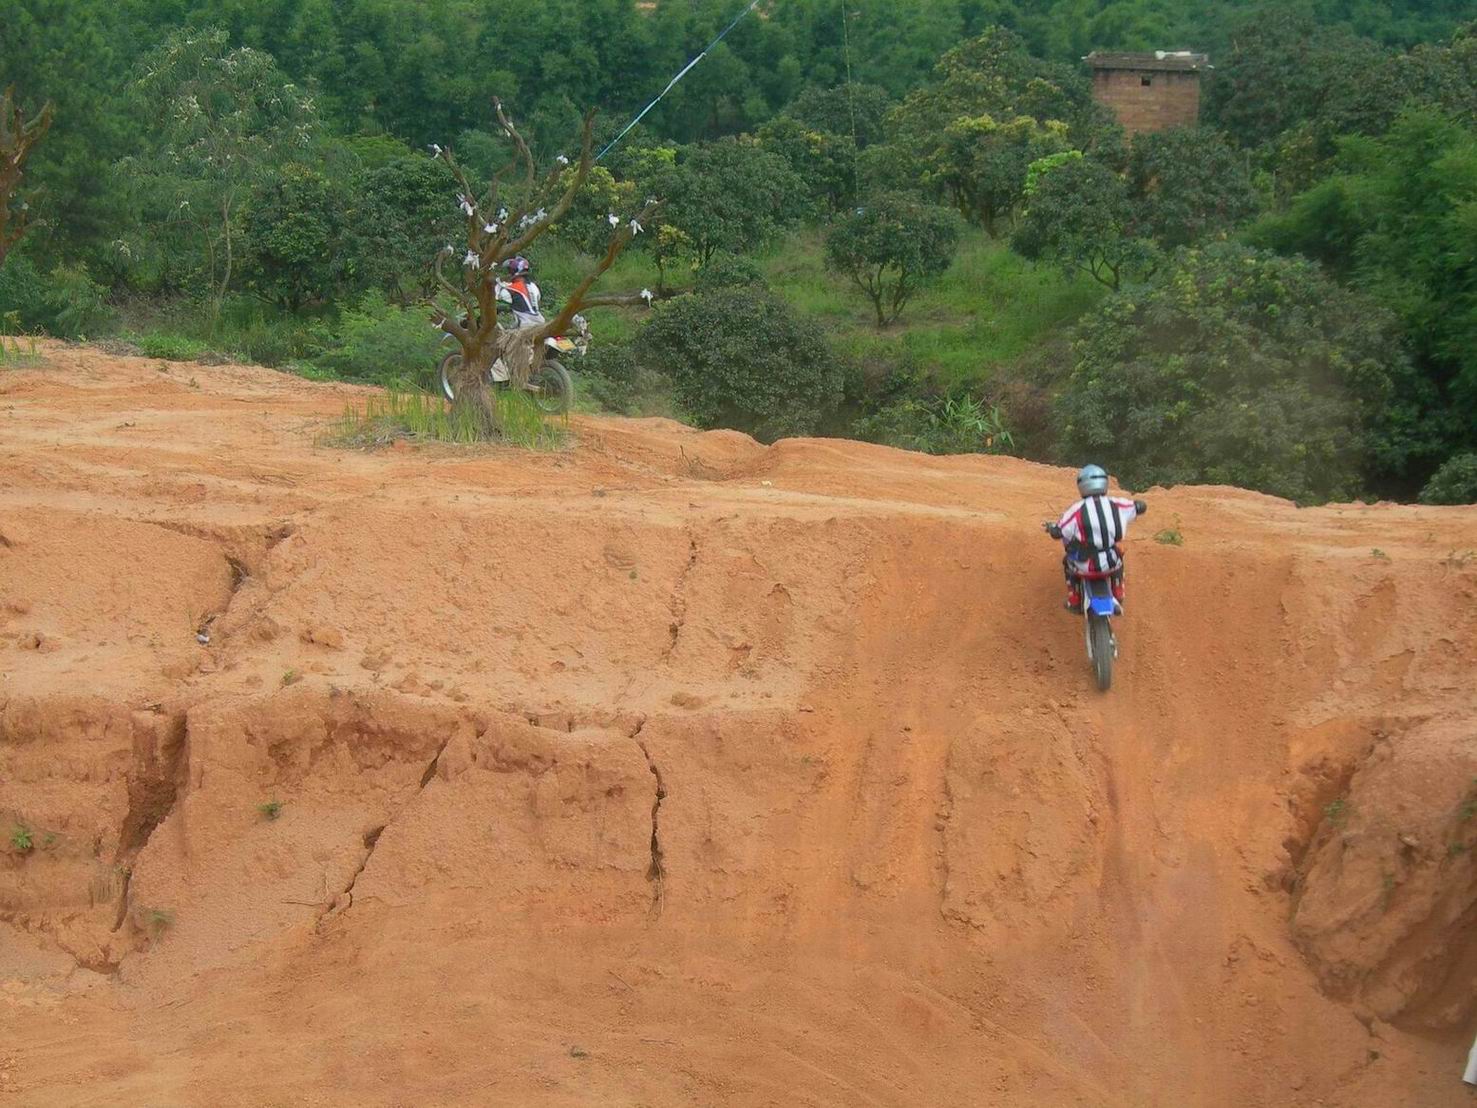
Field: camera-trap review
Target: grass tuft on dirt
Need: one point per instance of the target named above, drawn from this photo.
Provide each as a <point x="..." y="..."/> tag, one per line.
<point x="422" y="417"/>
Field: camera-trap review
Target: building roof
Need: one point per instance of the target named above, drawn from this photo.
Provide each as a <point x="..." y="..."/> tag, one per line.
<point x="1153" y="61"/>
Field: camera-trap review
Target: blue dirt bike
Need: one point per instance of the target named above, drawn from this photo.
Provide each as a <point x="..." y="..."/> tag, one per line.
<point x="1100" y="604"/>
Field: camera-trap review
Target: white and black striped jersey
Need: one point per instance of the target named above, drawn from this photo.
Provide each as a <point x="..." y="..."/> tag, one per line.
<point x="1093" y="527"/>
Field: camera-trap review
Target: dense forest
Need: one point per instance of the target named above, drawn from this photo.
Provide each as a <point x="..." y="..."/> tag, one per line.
<point x="944" y="241"/>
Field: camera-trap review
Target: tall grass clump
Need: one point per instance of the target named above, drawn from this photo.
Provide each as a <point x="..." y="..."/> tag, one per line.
<point x="425" y="417"/>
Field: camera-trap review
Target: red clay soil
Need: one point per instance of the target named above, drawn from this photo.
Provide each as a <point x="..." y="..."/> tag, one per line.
<point x="673" y="769"/>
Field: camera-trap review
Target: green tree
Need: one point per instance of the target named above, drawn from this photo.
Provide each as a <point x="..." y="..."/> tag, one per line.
<point x="587" y="226"/>
<point x="226" y="118"/>
<point x="1187" y="184"/>
<point x="293" y="237"/>
<point x="992" y="110"/>
<point x="401" y="219"/>
<point x="857" y="111"/>
<point x="825" y="162"/>
<point x="738" y="357"/>
<point x="891" y="247"/>
<point x="981" y="163"/>
<point x="732" y="196"/>
<point x="1240" y="367"/>
<point x="1079" y="215"/>
<point x="1398" y="219"/>
<point x="18" y="135"/>
<point x="1281" y="70"/>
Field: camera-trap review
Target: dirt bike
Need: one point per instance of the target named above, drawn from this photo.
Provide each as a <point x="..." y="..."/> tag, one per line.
<point x="1101" y="601"/>
<point x="1099" y="606"/>
<point x="550" y="386"/>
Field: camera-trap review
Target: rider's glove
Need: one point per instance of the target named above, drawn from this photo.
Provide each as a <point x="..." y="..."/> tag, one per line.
<point x="1140" y="507"/>
<point x="1052" y="529"/>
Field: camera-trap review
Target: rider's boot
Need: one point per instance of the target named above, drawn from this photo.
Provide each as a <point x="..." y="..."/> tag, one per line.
<point x="1073" y="602"/>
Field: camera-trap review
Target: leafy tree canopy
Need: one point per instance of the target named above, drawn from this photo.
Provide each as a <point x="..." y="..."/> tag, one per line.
<point x="1240" y="367"/>
<point x="890" y="247"/>
<point x="739" y="357"/>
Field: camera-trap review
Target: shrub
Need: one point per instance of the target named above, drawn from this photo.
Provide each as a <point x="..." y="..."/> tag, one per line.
<point x="22" y="293"/>
<point x="728" y="271"/>
<point x="1454" y="483"/>
<point x="740" y="358"/>
<point x="379" y="342"/>
<point x="954" y="425"/>
<point x="75" y="305"/>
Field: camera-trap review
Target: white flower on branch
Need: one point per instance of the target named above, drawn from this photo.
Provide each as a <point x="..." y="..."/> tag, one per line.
<point x="435" y="149"/>
<point x="502" y="215"/>
<point x="635" y="227"/>
<point x="615" y="220"/>
<point x="471" y="261"/>
<point x="466" y="205"/>
<point x="562" y="160"/>
<point x="648" y="296"/>
<point x="489" y="228"/>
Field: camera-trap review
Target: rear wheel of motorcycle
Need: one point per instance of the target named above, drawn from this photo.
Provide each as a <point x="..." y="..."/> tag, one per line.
<point x="449" y="366"/>
<point x="1100" y="647"/>
<point x="552" y="388"/>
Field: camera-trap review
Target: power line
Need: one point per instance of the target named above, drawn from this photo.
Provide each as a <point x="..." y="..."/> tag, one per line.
<point x="673" y="82"/>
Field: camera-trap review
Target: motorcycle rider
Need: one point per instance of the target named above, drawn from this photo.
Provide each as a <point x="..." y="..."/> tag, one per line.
<point x="520" y="292"/>
<point x="1091" y="530"/>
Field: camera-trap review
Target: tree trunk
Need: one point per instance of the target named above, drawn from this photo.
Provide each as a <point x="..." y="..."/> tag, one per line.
<point x="219" y="294"/>
<point x="470" y="383"/>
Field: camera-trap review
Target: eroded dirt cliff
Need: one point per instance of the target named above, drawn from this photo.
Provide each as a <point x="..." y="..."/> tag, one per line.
<point x="674" y="769"/>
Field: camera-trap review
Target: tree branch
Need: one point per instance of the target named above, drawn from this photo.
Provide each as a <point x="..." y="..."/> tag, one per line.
<point x="558" y="211"/>
<point x="522" y="150"/>
<point x="439" y="316"/>
<point x="576" y="301"/>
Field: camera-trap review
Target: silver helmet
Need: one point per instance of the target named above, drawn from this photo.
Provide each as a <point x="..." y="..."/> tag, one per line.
<point x="1092" y="480"/>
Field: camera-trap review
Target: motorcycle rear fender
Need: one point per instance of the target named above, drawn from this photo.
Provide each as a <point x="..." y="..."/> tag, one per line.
<point x="1100" y="600"/>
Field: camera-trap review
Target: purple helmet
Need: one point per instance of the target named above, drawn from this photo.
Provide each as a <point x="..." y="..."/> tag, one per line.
<point x="517" y="266"/>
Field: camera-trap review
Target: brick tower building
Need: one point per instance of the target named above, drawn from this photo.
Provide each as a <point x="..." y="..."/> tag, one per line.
<point x="1149" y="92"/>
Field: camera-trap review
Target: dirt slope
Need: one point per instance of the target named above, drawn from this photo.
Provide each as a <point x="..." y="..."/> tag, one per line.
<point x="679" y="770"/>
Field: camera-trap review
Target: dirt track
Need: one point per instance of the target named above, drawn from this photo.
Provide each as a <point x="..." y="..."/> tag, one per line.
<point x="678" y="770"/>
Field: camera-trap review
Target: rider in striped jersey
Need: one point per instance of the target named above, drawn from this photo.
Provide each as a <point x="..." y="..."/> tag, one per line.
<point x="1091" y="530"/>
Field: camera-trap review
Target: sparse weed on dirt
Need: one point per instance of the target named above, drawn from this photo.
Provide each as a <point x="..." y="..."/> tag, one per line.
<point x="157" y="921"/>
<point x="1171" y="535"/>
<point x="21" y="839"/>
<point x="17" y="349"/>
<point x="270" y="809"/>
<point x="420" y="416"/>
<point x="291" y="677"/>
<point x="19" y="352"/>
<point x="1337" y="812"/>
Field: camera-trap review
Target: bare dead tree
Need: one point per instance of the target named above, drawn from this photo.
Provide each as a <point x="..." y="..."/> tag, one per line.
<point x="17" y="136"/>
<point x="516" y="208"/>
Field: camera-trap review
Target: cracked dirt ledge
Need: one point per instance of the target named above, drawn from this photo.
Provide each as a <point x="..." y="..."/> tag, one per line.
<point x="816" y="806"/>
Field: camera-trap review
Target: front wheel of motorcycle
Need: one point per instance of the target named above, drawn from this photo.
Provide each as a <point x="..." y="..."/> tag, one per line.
<point x="449" y="366"/>
<point x="1100" y="649"/>
<point x="552" y="388"/>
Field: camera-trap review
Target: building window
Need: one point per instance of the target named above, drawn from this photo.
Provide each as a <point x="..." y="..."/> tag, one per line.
<point x="1146" y="80"/>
